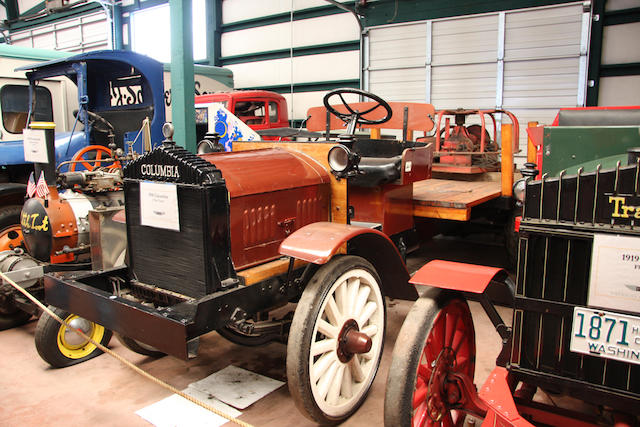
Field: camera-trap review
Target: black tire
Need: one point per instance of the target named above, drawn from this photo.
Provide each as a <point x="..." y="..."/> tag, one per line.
<point x="138" y="347"/>
<point x="51" y="339"/>
<point x="11" y="316"/>
<point x="246" y="340"/>
<point x="9" y="216"/>
<point x="408" y="352"/>
<point x="356" y="372"/>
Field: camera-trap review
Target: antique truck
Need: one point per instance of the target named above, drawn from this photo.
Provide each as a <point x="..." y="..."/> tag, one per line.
<point x="259" y="109"/>
<point x="68" y="226"/>
<point x="59" y="88"/>
<point x="575" y="329"/>
<point x="224" y="241"/>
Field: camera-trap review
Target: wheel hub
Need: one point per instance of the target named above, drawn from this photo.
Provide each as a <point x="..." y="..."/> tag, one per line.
<point x="73" y="339"/>
<point x="351" y="341"/>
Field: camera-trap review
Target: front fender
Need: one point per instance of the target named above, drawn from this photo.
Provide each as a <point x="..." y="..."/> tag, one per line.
<point x="458" y="276"/>
<point x="319" y="242"/>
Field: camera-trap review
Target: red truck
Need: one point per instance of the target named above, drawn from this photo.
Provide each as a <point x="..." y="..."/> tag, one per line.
<point x="260" y="109"/>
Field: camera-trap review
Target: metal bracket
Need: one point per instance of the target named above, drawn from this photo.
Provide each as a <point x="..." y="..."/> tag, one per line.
<point x="25" y="274"/>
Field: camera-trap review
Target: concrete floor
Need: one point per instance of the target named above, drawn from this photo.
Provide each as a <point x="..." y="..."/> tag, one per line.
<point x="104" y="392"/>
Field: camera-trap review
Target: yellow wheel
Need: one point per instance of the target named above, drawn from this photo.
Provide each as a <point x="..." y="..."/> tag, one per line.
<point x="61" y="346"/>
<point x="72" y="344"/>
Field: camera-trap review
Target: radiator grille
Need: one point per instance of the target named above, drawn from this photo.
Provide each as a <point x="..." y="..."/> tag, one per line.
<point x="556" y="240"/>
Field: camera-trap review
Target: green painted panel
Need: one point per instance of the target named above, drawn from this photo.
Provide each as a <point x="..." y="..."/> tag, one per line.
<point x="31" y="54"/>
<point x="345" y="46"/>
<point x="384" y="12"/>
<point x="572" y="147"/>
<point x="221" y="74"/>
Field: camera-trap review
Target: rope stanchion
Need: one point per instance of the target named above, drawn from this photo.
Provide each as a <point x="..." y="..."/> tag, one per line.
<point x="122" y="359"/>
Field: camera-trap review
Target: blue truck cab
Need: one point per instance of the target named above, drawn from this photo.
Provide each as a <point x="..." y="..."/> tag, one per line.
<point x="113" y="89"/>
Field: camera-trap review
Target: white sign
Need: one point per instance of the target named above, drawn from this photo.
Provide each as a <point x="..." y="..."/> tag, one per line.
<point x="615" y="273"/>
<point x="159" y="205"/>
<point x="35" y="146"/>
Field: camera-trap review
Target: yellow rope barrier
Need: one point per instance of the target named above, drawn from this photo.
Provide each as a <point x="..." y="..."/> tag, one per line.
<point x="122" y="359"/>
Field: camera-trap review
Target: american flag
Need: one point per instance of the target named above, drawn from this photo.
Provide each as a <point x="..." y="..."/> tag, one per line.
<point x="31" y="186"/>
<point x="41" y="187"/>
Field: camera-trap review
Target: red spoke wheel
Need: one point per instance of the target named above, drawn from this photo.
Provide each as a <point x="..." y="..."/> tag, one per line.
<point x="436" y="339"/>
<point x="93" y="152"/>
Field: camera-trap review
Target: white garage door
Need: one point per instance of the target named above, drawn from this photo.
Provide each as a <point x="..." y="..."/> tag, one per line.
<point x="529" y="61"/>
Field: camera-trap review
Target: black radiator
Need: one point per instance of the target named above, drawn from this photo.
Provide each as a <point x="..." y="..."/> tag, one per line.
<point x="196" y="259"/>
<point x="561" y="216"/>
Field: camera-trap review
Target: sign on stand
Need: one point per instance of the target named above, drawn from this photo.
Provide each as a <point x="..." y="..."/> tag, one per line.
<point x="35" y="146"/>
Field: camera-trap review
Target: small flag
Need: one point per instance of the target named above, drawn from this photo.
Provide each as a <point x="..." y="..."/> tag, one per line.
<point x="41" y="187"/>
<point x="31" y="186"/>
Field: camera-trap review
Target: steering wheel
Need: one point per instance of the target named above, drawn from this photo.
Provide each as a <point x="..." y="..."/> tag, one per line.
<point x="93" y="152"/>
<point x="98" y="122"/>
<point x="358" y="116"/>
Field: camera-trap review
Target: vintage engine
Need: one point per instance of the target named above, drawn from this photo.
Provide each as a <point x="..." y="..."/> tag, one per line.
<point x="193" y="221"/>
<point x="56" y="229"/>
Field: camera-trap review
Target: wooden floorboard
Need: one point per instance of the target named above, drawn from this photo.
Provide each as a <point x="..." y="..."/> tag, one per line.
<point x="439" y="198"/>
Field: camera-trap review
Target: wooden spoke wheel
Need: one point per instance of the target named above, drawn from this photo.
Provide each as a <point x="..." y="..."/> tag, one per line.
<point x="336" y="339"/>
<point x="437" y="339"/>
<point x="93" y="152"/>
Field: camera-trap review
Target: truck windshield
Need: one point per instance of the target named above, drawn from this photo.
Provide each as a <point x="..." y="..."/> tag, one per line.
<point x="14" y="102"/>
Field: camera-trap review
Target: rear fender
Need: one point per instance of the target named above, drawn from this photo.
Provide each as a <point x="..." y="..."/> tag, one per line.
<point x="319" y="242"/>
<point x="458" y="276"/>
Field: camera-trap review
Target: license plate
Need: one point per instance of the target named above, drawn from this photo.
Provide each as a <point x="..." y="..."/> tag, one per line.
<point x="606" y="334"/>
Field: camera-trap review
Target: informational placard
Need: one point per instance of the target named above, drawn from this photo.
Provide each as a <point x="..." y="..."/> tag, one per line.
<point x="35" y="146"/>
<point x="615" y="273"/>
<point x="159" y="205"/>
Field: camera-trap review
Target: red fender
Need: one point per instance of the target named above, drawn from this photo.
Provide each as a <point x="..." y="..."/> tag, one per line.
<point x="319" y="242"/>
<point x="457" y="276"/>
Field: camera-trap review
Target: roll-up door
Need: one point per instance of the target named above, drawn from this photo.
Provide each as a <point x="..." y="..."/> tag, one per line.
<point x="530" y="61"/>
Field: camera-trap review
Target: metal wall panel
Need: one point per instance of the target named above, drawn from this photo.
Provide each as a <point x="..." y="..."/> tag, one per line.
<point x="543" y="33"/>
<point x="300" y="69"/>
<point x="464" y="86"/>
<point x="617" y="42"/>
<point x="242" y="10"/>
<point x="396" y="62"/>
<point x="465" y="40"/>
<point x="79" y="34"/>
<point x="307" y="32"/>
<point x="619" y="90"/>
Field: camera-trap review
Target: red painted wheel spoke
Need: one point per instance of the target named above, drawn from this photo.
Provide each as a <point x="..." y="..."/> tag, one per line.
<point x="439" y="334"/>
<point x="459" y="338"/>
<point x="424" y="371"/>
<point x="451" y="326"/>
<point x="420" y="416"/>
<point x="447" y="420"/>
<point x="420" y="395"/>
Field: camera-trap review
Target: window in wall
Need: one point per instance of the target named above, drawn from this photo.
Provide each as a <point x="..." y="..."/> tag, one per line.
<point x="14" y="101"/>
<point x="151" y="32"/>
<point x="273" y="112"/>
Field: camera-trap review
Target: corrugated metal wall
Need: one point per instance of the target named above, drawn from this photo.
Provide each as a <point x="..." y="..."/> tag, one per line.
<point x="529" y="61"/>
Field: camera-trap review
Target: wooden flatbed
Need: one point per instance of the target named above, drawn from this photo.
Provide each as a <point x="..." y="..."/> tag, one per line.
<point x="449" y="199"/>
